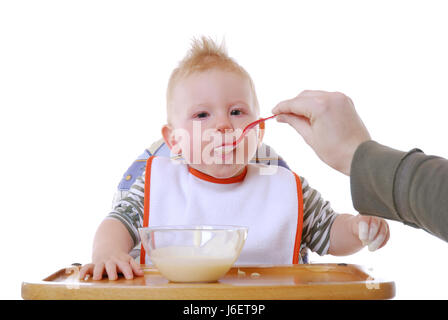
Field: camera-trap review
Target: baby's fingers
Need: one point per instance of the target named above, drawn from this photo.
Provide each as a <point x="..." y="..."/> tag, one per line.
<point x="136" y="268"/>
<point x="381" y="237"/>
<point x="111" y="269"/>
<point x="125" y="269"/>
<point x="98" y="271"/>
<point x="368" y="229"/>
<point x="85" y="269"/>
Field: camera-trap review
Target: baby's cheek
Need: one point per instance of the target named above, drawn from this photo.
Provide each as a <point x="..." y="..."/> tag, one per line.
<point x="252" y="143"/>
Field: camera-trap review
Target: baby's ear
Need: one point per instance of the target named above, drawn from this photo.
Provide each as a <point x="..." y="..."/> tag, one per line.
<point x="170" y="139"/>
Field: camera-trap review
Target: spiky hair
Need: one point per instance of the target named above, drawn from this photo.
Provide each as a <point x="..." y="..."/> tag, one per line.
<point x="206" y="54"/>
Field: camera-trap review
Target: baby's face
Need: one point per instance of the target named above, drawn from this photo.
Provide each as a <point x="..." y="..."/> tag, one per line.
<point x="209" y="109"/>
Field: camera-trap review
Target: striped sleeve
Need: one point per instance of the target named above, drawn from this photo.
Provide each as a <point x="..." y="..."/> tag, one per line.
<point x="129" y="210"/>
<point x="318" y="217"/>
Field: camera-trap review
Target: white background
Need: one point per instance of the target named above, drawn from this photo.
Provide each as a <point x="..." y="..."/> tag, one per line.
<point x="82" y="87"/>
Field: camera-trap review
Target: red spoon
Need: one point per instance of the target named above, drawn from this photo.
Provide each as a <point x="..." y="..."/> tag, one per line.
<point x="225" y="148"/>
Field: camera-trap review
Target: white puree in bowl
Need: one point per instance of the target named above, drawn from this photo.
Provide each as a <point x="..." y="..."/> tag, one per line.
<point x="191" y="264"/>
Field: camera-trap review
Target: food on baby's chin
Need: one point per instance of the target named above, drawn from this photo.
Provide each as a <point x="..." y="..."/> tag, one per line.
<point x="187" y="264"/>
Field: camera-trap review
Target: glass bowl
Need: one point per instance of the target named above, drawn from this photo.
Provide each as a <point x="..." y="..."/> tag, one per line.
<point x="193" y="253"/>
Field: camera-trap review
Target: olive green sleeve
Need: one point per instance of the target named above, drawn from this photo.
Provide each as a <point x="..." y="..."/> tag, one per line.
<point x="410" y="187"/>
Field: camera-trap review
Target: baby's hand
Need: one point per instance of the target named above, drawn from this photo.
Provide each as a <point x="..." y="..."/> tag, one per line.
<point x="122" y="262"/>
<point x="372" y="231"/>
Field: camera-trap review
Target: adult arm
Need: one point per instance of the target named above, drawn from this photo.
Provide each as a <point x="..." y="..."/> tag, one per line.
<point x="411" y="187"/>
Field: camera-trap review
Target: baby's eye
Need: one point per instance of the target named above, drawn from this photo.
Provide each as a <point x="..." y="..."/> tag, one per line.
<point x="202" y="115"/>
<point x="235" y="112"/>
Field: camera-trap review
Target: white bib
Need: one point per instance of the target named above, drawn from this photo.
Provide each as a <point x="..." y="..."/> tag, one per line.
<point x="271" y="206"/>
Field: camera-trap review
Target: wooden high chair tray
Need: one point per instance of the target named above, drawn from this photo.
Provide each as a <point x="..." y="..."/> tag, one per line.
<point x="262" y="282"/>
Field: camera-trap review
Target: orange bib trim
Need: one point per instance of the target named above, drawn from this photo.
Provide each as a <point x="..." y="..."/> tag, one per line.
<point x="146" y="204"/>
<point x="295" y="259"/>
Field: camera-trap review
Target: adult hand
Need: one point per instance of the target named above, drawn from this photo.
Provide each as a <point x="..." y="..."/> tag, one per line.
<point x="328" y="122"/>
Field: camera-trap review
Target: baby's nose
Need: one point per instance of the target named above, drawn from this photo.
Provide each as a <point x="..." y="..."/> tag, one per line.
<point x="224" y="125"/>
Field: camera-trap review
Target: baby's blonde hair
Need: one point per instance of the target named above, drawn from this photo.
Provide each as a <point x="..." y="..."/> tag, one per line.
<point x="206" y="54"/>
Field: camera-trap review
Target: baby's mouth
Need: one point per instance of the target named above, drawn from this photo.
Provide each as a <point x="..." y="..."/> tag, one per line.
<point x="224" y="149"/>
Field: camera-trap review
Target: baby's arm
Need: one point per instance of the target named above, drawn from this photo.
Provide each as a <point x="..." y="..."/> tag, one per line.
<point x="116" y="236"/>
<point x="111" y="247"/>
<point x="350" y="234"/>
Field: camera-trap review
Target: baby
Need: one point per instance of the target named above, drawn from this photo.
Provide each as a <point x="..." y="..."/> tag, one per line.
<point x="210" y="99"/>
